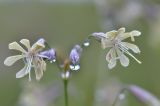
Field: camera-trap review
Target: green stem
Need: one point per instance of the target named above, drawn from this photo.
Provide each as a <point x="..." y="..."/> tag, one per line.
<point x="65" y="81"/>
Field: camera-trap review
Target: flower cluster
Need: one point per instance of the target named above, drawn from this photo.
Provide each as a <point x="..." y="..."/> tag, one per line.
<point x="32" y="56"/>
<point x="118" y="47"/>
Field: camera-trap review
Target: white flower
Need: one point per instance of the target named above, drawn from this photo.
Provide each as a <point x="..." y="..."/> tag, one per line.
<point x="30" y="56"/>
<point x="114" y="40"/>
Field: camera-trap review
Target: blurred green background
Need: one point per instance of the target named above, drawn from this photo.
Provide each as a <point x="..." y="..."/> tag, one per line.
<point x="64" y="23"/>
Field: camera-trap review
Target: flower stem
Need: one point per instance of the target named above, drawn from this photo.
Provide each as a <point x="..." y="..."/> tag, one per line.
<point x="65" y="81"/>
<point x="118" y="97"/>
<point x="115" y="101"/>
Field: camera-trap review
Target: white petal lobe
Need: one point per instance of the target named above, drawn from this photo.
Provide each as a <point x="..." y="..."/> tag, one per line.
<point x="111" y="58"/>
<point x="123" y="59"/>
<point x="133" y="47"/>
<point x="26" y="43"/>
<point x="22" y="72"/>
<point x="16" y="46"/>
<point x="12" y="59"/>
<point x="121" y="30"/>
<point x="135" y="33"/>
<point x="105" y="43"/>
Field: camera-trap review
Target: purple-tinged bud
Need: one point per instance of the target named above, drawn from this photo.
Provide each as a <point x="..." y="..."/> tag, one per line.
<point x="144" y="96"/>
<point x="39" y="45"/>
<point x="41" y="41"/>
<point x="49" y="54"/>
<point x="75" y="55"/>
<point x="99" y="35"/>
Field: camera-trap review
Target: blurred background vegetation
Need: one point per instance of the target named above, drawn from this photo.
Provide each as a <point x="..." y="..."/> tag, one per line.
<point x="64" y="23"/>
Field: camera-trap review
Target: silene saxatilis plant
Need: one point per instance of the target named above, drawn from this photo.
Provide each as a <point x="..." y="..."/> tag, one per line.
<point x="35" y="57"/>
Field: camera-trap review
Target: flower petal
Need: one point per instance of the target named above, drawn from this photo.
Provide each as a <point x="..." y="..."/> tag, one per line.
<point x="24" y="71"/>
<point x="105" y="43"/>
<point x="44" y="66"/>
<point x="111" y="58"/>
<point x="131" y="34"/>
<point x="109" y="55"/>
<point x="40" y="66"/>
<point x="26" y="43"/>
<point x="12" y="59"/>
<point x="123" y="59"/>
<point x="133" y="57"/>
<point x="133" y="47"/>
<point x="121" y="30"/>
<point x="135" y="33"/>
<point x="125" y="36"/>
<point x="112" y="64"/>
<point x="39" y="45"/>
<point x="16" y="46"/>
<point x="38" y="73"/>
<point x="111" y="34"/>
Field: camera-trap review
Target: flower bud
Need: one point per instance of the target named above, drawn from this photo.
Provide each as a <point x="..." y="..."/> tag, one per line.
<point x="75" y="54"/>
<point x="49" y="54"/>
<point x="39" y="45"/>
<point x="75" y="57"/>
<point x="41" y="41"/>
<point x="144" y="96"/>
<point x="99" y="35"/>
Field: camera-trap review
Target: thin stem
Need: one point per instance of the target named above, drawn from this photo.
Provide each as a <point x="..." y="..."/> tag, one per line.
<point x="65" y="81"/>
<point x="117" y="97"/>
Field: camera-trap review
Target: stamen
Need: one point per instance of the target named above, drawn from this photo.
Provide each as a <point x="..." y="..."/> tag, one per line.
<point x="29" y="68"/>
<point x="124" y="48"/>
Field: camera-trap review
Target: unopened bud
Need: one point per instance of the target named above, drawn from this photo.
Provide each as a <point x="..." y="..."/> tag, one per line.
<point x="49" y="54"/>
<point x="75" y="56"/>
<point x="144" y="96"/>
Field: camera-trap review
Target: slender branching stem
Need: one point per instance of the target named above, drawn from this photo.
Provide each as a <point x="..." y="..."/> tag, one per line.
<point x="117" y="97"/>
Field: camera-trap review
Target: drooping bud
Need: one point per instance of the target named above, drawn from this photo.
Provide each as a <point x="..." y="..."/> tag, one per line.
<point x="49" y="55"/>
<point x="75" y="55"/>
<point x="144" y="96"/>
<point x="99" y="35"/>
